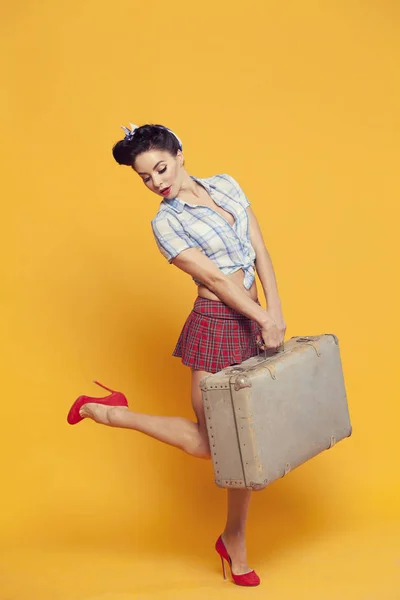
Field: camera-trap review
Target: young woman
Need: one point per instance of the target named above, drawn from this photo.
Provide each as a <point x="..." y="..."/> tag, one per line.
<point x="206" y="228"/>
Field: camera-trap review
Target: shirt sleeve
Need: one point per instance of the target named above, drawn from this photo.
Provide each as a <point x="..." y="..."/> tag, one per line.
<point x="170" y="237"/>
<point x="238" y="194"/>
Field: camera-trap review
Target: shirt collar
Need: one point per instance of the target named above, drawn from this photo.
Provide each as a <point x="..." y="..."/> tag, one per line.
<point x="178" y="205"/>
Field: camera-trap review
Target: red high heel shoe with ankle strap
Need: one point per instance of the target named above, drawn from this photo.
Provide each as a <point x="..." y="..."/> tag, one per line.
<point x="247" y="579"/>
<point x="114" y="399"/>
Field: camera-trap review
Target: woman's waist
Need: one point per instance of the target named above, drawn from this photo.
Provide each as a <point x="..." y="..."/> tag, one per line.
<point x="217" y="308"/>
<point x="238" y="277"/>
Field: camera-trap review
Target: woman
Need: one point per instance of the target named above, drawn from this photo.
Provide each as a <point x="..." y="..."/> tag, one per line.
<point x="206" y="228"/>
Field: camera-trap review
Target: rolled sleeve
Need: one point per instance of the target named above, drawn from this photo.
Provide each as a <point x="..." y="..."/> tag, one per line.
<point x="170" y="237"/>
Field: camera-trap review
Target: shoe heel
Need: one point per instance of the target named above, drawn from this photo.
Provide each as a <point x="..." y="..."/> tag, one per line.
<point x="104" y="386"/>
<point x="223" y="567"/>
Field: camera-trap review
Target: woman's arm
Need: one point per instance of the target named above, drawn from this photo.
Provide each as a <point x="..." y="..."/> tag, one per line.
<point x="265" y="271"/>
<point x="199" y="266"/>
<point x="203" y="269"/>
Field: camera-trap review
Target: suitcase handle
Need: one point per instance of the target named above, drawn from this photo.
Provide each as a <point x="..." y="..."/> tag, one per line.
<point x="271" y="351"/>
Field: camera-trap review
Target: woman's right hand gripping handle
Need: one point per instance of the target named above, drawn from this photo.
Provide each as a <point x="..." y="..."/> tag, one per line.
<point x="272" y="333"/>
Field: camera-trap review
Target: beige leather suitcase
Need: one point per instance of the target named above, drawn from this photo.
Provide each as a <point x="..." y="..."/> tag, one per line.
<point x="273" y="412"/>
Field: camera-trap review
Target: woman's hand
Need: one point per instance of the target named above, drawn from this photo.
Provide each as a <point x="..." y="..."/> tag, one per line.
<point x="277" y="316"/>
<point x="273" y="331"/>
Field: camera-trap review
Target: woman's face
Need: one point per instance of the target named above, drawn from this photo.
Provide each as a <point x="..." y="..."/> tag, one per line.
<point x="160" y="171"/>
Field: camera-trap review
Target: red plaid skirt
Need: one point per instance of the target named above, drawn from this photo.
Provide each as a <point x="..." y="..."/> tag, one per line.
<point x="216" y="336"/>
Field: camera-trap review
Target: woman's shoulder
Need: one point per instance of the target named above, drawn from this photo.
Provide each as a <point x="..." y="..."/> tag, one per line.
<point x="230" y="186"/>
<point x="167" y="212"/>
<point x="220" y="180"/>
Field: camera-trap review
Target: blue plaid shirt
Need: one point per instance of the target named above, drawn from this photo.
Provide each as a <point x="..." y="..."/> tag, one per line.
<point x="179" y="225"/>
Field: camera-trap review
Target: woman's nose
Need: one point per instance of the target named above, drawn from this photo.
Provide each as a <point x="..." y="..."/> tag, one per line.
<point x="157" y="182"/>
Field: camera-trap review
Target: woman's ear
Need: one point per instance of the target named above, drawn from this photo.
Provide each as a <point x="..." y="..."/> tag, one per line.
<point x="181" y="158"/>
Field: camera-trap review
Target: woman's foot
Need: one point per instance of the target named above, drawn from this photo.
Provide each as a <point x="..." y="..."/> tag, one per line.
<point x="240" y="572"/>
<point x="236" y="547"/>
<point x="96" y="411"/>
<point x="100" y="413"/>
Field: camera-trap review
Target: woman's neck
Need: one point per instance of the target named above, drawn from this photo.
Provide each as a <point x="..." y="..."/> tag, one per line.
<point x="189" y="189"/>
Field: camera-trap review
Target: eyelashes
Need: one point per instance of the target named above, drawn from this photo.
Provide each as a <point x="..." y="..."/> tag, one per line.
<point x="159" y="172"/>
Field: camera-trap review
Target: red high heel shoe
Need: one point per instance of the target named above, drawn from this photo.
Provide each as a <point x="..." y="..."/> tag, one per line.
<point x="115" y="399"/>
<point x="248" y="579"/>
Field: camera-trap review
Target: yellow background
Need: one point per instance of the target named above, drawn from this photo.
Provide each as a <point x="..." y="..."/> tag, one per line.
<point x="299" y="101"/>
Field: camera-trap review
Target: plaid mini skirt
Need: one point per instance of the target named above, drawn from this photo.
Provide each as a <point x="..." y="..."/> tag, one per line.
<point x="216" y="336"/>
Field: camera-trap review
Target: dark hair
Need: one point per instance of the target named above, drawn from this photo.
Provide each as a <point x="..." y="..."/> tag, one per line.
<point x="145" y="138"/>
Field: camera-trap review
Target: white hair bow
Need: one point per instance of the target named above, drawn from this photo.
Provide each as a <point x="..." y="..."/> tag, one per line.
<point x="129" y="132"/>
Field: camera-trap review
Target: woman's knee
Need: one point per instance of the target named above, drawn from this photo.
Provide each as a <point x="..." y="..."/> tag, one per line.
<point x="197" y="445"/>
<point x="203" y="450"/>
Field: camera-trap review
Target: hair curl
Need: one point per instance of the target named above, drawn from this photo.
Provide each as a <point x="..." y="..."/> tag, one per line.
<point x="145" y="138"/>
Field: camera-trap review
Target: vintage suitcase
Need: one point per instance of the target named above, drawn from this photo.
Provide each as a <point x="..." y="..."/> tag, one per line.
<point x="273" y="412"/>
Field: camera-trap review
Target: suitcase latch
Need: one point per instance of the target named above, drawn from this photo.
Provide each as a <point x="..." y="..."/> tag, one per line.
<point x="242" y="382"/>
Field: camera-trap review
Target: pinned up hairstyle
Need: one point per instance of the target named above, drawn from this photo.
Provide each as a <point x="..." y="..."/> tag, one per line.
<point x="143" y="139"/>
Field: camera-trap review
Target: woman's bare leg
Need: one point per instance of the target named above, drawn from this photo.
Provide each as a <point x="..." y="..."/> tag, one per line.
<point x="191" y="438"/>
<point x="182" y="433"/>
<point x="234" y="535"/>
